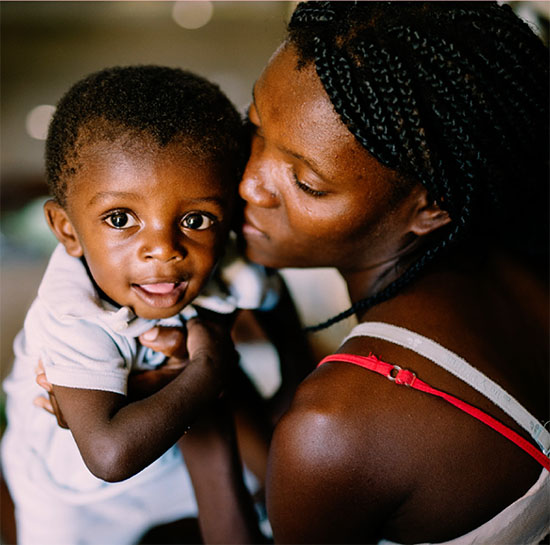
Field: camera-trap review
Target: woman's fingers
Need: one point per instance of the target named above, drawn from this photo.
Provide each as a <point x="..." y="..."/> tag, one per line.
<point x="43" y="382"/>
<point x="49" y="404"/>
<point x="41" y="379"/>
<point x="170" y="341"/>
<point x="44" y="403"/>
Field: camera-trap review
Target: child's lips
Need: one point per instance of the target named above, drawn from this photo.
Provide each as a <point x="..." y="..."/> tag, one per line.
<point x="161" y="294"/>
<point x="161" y="288"/>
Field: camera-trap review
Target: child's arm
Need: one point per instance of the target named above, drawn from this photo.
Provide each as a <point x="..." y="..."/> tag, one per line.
<point x="118" y="439"/>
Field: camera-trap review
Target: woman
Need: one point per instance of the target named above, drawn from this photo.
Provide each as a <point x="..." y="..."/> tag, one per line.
<point x="406" y="145"/>
<point x="389" y="142"/>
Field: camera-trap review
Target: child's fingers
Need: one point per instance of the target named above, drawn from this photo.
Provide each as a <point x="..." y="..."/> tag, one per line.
<point x="174" y="364"/>
<point x="170" y="341"/>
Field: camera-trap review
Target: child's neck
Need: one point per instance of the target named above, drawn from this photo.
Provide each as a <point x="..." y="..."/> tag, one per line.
<point x="101" y="293"/>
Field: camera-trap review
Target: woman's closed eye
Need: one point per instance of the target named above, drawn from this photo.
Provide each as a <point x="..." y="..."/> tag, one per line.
<point x="307" y="189"/>
<point x="198" y="221"/>
<point x="120" y="220"/>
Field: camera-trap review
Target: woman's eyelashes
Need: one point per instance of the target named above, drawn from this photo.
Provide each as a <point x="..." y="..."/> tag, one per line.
<point x="307" y="189"/>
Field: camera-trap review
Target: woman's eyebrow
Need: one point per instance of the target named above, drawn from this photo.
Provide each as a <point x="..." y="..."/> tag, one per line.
<point x="309" y="163"/>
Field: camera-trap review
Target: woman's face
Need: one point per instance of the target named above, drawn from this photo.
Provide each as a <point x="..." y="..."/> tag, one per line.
<point x="314" y="196"/>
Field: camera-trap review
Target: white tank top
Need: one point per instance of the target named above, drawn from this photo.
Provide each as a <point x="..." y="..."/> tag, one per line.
<point x="527" y="520"/>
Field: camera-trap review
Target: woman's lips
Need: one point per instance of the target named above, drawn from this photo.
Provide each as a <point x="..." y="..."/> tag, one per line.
<point x="161" y="294"/>
<point x="250" y="230"/>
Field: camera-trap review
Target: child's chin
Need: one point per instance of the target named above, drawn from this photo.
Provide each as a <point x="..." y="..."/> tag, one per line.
<point x="159" y="313"/>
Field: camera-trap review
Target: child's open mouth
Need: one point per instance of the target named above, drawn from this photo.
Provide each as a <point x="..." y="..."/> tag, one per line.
<point x="159" y="288"/>
<point x="162" y="294"/>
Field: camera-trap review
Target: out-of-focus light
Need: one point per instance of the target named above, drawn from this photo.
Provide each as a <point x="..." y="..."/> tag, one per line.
<point x="193" y="14"/>
<point x="38" y="120"/>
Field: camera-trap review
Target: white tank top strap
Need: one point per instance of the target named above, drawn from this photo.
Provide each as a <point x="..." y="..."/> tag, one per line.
<point x="454" y="364"/>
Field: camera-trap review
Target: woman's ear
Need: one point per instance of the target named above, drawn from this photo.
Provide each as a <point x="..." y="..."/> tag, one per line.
<point x="62" y="228"/>
<point x="428" y="216"/>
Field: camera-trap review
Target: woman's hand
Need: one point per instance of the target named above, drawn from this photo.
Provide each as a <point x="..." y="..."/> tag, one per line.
<point x="48" y="403"/>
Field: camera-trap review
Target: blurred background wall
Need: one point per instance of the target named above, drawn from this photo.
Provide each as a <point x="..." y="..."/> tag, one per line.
<point x="47" y="46"/>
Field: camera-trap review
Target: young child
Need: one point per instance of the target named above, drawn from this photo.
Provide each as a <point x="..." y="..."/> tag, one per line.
<point x="143" y="164"/>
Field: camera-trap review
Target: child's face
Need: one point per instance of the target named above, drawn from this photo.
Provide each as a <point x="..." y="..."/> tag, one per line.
<point x="150" y="223"/>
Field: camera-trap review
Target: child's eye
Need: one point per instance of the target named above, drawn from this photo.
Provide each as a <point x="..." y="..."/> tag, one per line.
<point x="197" y="221"/>
<point x="306" y="189"/>
<point x="120" y="220"/>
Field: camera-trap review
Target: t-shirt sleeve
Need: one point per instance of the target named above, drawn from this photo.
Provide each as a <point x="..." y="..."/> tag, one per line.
<point x="81" y="354"/>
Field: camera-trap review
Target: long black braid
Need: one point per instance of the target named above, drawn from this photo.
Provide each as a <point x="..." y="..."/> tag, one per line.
<point x="453" y="95"/>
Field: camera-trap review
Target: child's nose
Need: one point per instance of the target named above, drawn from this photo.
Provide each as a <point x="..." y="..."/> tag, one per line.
<point x="162" y="245"/>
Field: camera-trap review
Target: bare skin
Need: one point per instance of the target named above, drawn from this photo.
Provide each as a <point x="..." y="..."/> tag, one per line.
<point x="357" y="458"/>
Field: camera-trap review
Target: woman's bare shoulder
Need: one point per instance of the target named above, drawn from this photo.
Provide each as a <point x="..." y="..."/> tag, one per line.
<point x="329" y="456"/>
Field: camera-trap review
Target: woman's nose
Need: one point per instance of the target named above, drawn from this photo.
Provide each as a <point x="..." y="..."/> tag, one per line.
<point x="254" y="190"/>
<point x="162" y="245"/>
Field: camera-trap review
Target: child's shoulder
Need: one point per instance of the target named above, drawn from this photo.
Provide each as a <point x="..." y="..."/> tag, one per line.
<point x="68" y="309"/>
<point x="66" y="288"/>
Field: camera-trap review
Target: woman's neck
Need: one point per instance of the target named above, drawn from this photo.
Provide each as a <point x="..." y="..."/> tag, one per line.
<point x="366" y="283"/>
<point x="372" y="279"/>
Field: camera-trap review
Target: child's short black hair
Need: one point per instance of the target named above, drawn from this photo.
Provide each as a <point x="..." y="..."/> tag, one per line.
<point x="156" y="102"/>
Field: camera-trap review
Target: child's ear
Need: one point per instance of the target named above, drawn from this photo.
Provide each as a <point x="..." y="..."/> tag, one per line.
<point x="429" y="216"/>
<point x="62" y="228"/>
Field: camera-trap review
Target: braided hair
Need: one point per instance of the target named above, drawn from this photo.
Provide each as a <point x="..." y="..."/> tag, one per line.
<point x="453" y="95"/>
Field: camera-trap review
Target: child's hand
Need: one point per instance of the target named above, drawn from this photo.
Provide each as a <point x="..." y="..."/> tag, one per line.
<point x="209" y="336"/>
<point x="142" y="384"/>
<point x="170" y="341"/>
<point x="49" y="404"/>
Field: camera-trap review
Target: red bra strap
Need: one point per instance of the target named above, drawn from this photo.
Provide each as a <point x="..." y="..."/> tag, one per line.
<point x="408" y="378"/>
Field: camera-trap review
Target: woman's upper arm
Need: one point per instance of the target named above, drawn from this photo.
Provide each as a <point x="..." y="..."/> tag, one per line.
<point x="316" y="490"/>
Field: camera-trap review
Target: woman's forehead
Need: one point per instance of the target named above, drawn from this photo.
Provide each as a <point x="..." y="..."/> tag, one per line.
<point x="296" y="114"/>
